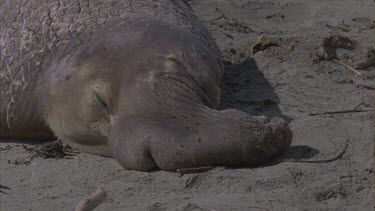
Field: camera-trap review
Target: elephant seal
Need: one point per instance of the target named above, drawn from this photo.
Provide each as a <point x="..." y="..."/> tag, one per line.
<point x="139" y="81"/>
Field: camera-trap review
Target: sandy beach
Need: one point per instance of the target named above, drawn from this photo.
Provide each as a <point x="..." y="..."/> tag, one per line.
<point x="292" y="59"/>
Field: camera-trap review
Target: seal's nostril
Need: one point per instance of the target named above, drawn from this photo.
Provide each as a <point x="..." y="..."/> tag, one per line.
<point x="278" y="137"/>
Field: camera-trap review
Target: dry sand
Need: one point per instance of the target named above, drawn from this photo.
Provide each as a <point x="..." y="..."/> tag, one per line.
<point x="288" y="80"/>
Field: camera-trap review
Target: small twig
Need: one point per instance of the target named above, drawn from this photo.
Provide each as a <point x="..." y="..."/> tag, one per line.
<point x="347" y="66"/>
<point x="281" y="204"/>
<point x="366" y="84"/>
<point x="94" y="200"/>
<point x="194" y="170"/>
<point x="341" y="112"/>
<point x="355" y="108"/>
<point x="284" y="46"/>
<point x="215" y="19"/>
<point x="4" y="187"/>
<point x="338" y="156"/>
<point x="277" y="201"/>
<point x="222" y="15"/>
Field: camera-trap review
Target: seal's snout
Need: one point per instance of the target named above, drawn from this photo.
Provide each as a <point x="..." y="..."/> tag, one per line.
<point x="278" y="137"/>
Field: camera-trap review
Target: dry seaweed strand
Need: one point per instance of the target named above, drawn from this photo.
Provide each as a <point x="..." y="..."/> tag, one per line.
<point x="54" y="149"/>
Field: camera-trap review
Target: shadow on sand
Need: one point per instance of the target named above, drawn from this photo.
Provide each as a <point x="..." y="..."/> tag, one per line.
<point x="245" y="88"/>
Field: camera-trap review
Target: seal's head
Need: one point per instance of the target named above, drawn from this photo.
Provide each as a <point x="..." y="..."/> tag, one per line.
<point x="150" y="91"/>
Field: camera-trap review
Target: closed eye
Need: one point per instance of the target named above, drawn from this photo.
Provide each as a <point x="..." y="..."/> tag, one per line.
<point x="102" y="103"/>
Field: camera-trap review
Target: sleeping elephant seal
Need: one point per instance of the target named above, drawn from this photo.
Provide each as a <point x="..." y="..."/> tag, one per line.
<point x="138" y="81"/>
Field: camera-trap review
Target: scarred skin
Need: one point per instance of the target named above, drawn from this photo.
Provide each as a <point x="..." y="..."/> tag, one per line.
<point x="139" y="81"/>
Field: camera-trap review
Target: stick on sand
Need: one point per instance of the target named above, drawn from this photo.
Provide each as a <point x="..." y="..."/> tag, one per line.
<point x="91" y="202"/>
<point x="347" y="66"/>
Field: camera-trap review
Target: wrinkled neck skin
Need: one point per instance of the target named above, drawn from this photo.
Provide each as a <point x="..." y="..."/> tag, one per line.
<point x="178" y="130"/>
<point x="152" y="91"/>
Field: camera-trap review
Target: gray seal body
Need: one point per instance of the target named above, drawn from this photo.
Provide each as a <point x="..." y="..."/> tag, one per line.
<point x="139" y="81"/>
